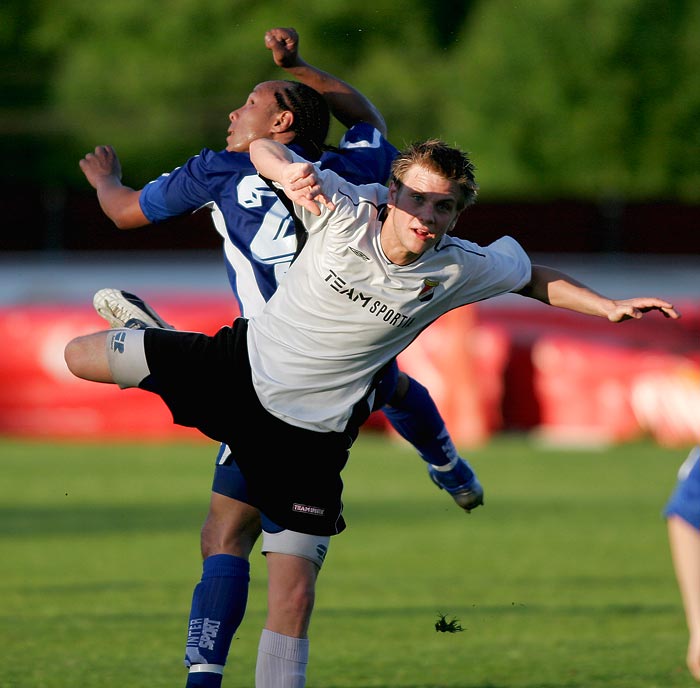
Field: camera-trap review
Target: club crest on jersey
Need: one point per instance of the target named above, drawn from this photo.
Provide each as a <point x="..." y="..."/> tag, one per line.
<point x="428" y="289"/>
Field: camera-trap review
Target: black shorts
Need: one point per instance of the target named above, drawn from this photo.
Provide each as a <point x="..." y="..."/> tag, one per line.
<point x="292" y="474"/>
<point x="230" y="482"/>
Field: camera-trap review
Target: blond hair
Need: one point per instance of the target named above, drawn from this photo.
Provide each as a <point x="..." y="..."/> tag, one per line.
<point x="435" y="155"/>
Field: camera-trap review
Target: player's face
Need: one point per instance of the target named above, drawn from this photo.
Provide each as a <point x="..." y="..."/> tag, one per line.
<point x="255" y="119"/>
<point x="421" y="211"/>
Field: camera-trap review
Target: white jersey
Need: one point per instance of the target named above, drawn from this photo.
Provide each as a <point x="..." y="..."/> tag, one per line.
<point x="344" y="310"/>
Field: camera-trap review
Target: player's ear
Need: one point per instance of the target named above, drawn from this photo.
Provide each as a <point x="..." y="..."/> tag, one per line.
<point x="393" y="193"/>
<point x="283" y="122"/>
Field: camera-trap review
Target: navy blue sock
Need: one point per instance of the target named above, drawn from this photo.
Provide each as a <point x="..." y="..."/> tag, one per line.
<point x="218" y="605"/>
<point x="417" y="419"/>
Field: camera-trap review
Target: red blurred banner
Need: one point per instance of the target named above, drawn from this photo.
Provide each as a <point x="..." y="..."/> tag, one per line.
<point x="569" y="378"/>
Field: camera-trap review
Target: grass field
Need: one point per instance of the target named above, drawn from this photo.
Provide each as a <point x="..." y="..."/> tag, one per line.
<point x="562" y="580"/>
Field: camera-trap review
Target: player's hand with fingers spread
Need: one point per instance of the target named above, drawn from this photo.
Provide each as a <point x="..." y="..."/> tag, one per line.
<point x="284" y="44"/>
<point x="627" y="309"/>
<point x="101" y="164"/>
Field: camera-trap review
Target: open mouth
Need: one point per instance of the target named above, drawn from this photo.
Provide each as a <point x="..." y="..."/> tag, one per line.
<point x="421" y="232"/>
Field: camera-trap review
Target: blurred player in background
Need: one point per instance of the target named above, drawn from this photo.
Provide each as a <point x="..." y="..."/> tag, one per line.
<point x="682" y="514"/>
<point x="259" y="242"/>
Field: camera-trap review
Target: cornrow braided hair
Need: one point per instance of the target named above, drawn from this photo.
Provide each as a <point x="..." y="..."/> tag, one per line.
<point x="311" y="116"/>
<point x="435" y="155"/>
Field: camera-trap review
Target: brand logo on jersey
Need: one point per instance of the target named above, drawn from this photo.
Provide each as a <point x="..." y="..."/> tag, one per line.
<point x="117" y="342"/>
<point x="359" y="254"/>
<point x="306" y="509"/>
<point x="378" y="308"/>
<point x="428" y="290"/>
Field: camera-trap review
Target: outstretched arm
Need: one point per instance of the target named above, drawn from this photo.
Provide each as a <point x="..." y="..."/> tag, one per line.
<point x="558" y="289"/>
<point x="684" y="540"/>
<point x="346" y="103"/>
<point x="298" y="179"/>
<point x="119" y="203"/>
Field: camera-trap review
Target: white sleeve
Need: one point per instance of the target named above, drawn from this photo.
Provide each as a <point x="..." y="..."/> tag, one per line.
<point x="512" y="262"/>
<point x="330" y="183"/>
<point x="346" y="196"/>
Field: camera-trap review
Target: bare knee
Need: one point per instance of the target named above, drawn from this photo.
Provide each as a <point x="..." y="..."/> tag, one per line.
<point x="402" y="384"/>
<point x="300" y="597"/>
<point x="73" y="355"/>
<point x="231" y="527"/>
<point x="85" y="357"/>
<point x="290" y="614"/>
<point x="291" y="594"/>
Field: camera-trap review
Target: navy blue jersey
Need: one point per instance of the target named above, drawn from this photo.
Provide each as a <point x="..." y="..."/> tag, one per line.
<point x="257" y="230"/>
<point x="685" y="499"/>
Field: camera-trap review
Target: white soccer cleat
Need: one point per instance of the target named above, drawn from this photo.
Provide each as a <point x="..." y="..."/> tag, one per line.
<point x="122" y="309"/>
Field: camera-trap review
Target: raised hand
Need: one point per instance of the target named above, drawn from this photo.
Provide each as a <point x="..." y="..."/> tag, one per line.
<point x="101" y="164"/>
<point x="284" y="44"/>
<point x="301" y="186"/>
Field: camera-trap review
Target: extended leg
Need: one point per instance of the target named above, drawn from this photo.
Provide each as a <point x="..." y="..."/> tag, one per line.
<point x="414" y="415"/>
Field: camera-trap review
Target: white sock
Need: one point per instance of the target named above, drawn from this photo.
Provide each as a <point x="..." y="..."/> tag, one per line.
<point x="282" y="661"/>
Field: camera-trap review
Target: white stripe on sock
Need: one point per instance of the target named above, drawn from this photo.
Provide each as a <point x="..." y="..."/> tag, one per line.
<point x="210" y="668"/>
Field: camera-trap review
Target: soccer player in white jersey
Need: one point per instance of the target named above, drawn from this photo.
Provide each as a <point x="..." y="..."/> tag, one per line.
<point x="259" y="244"/>
<point x="378" y="267"/>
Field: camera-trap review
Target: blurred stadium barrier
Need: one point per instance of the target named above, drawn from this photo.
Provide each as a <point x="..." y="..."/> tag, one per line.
<point x="569" y="378"/>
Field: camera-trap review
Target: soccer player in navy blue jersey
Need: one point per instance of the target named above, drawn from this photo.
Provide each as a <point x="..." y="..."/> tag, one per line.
<point x="260" y="242"/>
